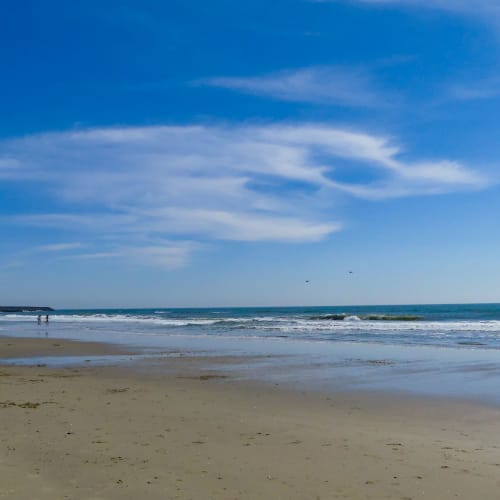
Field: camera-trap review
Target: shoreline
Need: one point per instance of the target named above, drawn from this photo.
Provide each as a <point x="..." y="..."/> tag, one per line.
<point x="179" y="427"/>
<point x="415" y="371"/>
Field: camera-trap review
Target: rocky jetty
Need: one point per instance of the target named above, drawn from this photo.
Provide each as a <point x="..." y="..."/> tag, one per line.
<point x="15" y="309"/>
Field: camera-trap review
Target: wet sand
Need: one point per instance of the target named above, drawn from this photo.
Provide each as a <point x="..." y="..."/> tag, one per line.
<point x="171" y="428"/>
<point x="12" y="348"/>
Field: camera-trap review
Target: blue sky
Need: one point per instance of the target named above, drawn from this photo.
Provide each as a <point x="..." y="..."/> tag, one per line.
<point x="189" y="153"/>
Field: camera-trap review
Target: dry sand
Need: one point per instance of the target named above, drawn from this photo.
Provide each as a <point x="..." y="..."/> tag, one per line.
<point x="182" y="432"/>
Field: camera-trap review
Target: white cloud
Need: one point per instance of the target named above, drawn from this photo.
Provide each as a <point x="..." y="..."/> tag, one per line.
<point x="321" y="84"/>
<point x="398" y="177"/>
<point x="147" y="193"/>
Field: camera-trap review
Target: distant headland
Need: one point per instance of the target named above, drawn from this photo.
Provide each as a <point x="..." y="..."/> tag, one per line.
<point x="15" y="309"/>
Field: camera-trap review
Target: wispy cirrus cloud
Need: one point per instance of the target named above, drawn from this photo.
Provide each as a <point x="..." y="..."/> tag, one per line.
<point x="58" y="247"/>
<point x="488" y="9"/>
<point x="165" y="254"/>
<point x="334" y="85"/>
<point x="154" y="194"/>
<point x="7" y="166"/>
<point x="485" y="88"/>
<point x="168" y="255"/>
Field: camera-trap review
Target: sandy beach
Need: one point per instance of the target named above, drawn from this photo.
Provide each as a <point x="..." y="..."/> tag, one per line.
<point x="249" y="250"/>
<point x="177" y="430"/>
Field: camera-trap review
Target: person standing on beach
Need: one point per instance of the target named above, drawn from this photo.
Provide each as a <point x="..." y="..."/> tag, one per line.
<point x="46" y="318"/>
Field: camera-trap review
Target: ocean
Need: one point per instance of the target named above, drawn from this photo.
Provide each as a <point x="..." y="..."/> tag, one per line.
<point x="454" y="325"/>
